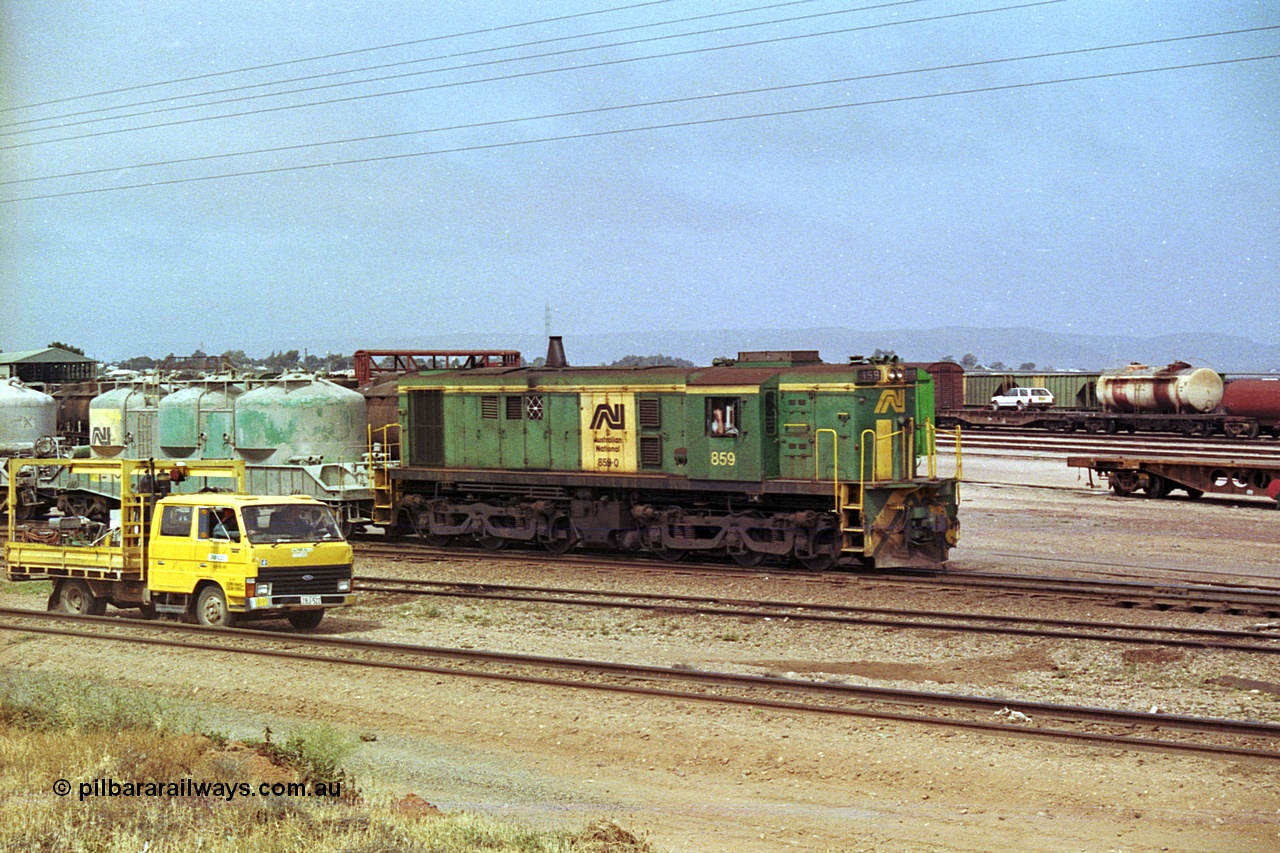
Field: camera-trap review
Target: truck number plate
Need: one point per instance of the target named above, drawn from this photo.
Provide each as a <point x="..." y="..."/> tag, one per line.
<point x="310" y="599"/>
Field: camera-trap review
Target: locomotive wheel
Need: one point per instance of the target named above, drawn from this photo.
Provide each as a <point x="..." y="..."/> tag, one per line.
<point x="212" y="610"/>
<point x="1194" y="493"/>
<point x="305" y="620"/>
<point x="826" y="552"/>
<point x="670" y="555"/>
<point x="749" y="559"/>
<point x="437" y="540"/>
<point x="492" y="543"/>
<point x="75" y="597"/>
<point x="561" y="538"/>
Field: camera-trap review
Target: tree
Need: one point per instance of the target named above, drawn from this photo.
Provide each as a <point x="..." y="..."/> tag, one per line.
<point x="886" y="354"/>
<point x="651" y="361"/>
<point x="138" y="362"/>
<point x="237" y="358"/>
<point x="277" y="362"/>
<point x="67" y="347"/>
<point x="969" y="360"/>
<point x="1027" y="365"/>
<point x="996" y="365"/>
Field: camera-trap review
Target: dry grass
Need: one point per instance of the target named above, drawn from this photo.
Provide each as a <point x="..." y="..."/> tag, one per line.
<point x="56" y="730"/>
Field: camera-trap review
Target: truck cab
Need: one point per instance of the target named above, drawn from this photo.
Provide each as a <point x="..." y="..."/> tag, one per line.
<point x="204" y="552"/>
<point x="222" y="557"/>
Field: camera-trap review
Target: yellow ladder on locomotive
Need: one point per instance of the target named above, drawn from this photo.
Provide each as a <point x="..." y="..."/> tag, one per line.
<point x="383" y="456"/>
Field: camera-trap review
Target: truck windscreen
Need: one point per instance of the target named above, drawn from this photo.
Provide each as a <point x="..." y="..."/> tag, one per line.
<point x="269" y="523"/>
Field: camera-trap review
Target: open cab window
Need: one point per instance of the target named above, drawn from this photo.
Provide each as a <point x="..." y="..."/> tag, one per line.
<point x="724" y="416"/>
<point x="219" y="523"/>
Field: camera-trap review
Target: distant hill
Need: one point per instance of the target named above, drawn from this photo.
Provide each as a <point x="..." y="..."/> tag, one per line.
<point x="1224" y="353"/>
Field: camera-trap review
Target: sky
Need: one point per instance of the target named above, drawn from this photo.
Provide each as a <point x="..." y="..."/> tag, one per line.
<point x="271" y="176"/>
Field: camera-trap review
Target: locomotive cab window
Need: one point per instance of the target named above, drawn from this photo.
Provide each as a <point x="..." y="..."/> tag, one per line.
<point x="724" y="415"/>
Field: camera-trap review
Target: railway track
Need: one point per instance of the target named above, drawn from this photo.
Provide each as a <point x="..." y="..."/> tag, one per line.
<point x="1012" y="718"/>
<point x="1015" y="442"/>
<point x="1207" y="597"/>
<point x="1255" y="642"/>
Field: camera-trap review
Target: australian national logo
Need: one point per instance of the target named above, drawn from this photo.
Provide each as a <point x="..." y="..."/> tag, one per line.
<point x="891" y="400"/>
<point x="609" y="417"/>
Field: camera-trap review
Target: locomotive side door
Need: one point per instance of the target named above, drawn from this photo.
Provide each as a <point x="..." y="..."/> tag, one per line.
<point x="537" y="431"/>
<point x="796" y="434"/>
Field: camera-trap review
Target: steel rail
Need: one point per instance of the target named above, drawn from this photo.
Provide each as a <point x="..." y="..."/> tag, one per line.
<point x="1215" y="639"/>
<point x="1203" y="597"/>
<point x="1064" y="713"/>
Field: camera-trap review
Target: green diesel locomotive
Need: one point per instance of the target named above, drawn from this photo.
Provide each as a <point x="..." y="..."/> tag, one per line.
<point x="774" y="455"/>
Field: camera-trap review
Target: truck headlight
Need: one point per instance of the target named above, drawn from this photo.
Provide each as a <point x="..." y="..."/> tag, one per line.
<point x="264" y="588"/>
<point x="344" y="586"/>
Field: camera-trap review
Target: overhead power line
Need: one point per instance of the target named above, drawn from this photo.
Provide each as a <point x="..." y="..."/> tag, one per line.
<point x="645" y="104"/>
<point x="652" y="127"/>
<point x="504" y="77"/>
<point x="339" y="54"/>
<point x="404" y="62"/>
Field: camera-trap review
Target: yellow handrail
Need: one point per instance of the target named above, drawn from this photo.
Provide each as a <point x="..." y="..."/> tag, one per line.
<point x="835" y="461"/>
<point x="380" y="465"/>
<point x="959" y="459"/>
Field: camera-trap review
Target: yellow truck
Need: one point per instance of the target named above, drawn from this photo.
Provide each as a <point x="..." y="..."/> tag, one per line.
<point x="184" y="540"/>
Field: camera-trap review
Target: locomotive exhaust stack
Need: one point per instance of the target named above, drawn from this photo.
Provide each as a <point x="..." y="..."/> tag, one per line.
<point x="555" y="352"/>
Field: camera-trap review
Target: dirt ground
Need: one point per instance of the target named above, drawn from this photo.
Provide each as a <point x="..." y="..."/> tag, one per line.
<point x="700" y="777"/>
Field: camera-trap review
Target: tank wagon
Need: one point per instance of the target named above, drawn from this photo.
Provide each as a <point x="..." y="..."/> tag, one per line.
<point x="28" y="420"/>
<point x="1256" y="402"/>
<point x="1194" y="401"/>
<point x="298" y="434"/>
<point x="774" y="455"/>
<point x="28" y="429"/>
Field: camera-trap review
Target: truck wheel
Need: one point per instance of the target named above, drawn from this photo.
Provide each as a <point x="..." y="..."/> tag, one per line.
<point x="212" y="610"/>
<point x="306" y="620"/>
<point x="75" y="597"/>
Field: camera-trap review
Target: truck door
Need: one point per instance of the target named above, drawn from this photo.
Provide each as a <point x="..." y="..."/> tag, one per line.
<point x="224" y="552"/>
<point x="173" y="551"/>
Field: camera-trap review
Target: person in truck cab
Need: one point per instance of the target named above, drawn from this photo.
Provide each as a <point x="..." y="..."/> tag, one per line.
<point x="219" y="524"/>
